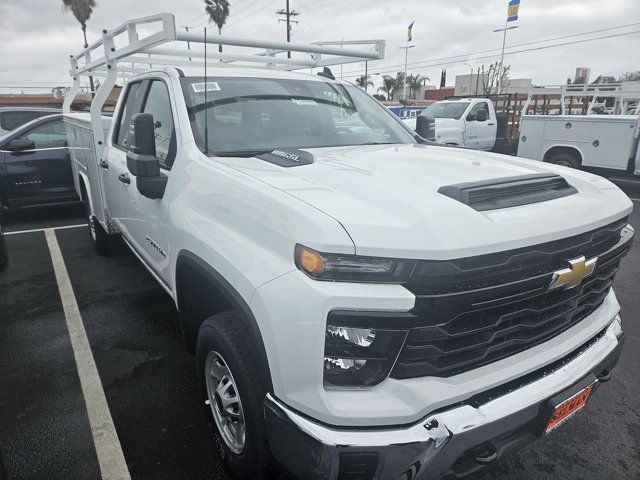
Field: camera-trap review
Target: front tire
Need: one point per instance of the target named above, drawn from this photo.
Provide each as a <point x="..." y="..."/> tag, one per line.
<point x="233" y="393"/>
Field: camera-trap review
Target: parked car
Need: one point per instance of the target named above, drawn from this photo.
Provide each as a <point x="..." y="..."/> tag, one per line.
<point x="362" y="304"/>
<point x="14" y="117"/>
<point x="35" y="165"/>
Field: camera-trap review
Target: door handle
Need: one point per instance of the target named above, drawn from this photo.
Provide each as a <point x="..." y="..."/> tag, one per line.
<point x="124" y="178"/>
<point x="491" y="124"/>
<point x="104" y="164"/>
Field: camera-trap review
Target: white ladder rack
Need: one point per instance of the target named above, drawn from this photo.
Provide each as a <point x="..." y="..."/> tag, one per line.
<point x="139" y="44"/>
<point x="624" y="98"/>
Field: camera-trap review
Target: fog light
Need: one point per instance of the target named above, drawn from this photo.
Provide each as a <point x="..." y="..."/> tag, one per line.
<point x="363" y="337"/>
<point x="358" y="356"/>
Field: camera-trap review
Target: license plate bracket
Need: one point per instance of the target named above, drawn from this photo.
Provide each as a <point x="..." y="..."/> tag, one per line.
<point x="564" y="405"/>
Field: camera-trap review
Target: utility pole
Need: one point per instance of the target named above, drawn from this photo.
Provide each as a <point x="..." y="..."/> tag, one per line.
<point x="504" y="41"/>
<point x="288" y="13"/>
<point x="406" y="57"/>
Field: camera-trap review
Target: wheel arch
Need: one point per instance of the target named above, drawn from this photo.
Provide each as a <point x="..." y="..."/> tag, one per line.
<point x="201" y="291"/>
<point x="85" y="192"/>
<point x="570" y="149"/>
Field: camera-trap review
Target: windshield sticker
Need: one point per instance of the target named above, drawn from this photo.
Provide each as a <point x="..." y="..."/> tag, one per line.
<point x="303" y="101"/>
<point x="211" y="87"/>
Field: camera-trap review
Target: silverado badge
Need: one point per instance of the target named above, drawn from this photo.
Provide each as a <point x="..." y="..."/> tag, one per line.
<point x="579" y="268"/>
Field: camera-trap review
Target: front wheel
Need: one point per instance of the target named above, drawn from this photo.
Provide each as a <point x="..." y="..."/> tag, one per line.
<point x="233" y="394"/>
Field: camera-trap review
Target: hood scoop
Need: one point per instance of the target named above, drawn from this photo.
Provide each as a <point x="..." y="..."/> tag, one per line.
<point x="509" y="191"/>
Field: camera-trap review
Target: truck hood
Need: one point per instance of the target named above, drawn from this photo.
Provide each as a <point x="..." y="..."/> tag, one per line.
<point x="386" y="198"/>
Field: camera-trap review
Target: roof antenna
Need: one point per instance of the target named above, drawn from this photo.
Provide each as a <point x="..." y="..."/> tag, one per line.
<point x="327" y="73"/>
<point x="206" y="107"/>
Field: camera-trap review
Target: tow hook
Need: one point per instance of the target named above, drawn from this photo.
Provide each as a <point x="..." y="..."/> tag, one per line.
<point x="487" y="456"/>
<point x="604" y="376"/>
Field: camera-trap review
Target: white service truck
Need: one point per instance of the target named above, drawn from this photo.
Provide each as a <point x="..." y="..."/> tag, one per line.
<point x="361" y="304"/>
<point x="462" y="122"/>
<point x="606" y="142"/>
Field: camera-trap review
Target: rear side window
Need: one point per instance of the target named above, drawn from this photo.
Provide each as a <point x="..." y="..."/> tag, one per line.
<point x="49" y="135"/>
<point x="128" y="109"/>
<point x="158" y="104"/>
<point x="12" y="120"/>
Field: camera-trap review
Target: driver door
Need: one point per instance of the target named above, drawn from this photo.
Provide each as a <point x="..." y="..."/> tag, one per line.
<point x="144" y="219"/>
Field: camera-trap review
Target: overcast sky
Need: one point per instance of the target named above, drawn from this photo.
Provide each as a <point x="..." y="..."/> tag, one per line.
<point x="36" y="36"/>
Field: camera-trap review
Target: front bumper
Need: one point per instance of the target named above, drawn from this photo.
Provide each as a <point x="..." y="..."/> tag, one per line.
<point x="450" y="443"/>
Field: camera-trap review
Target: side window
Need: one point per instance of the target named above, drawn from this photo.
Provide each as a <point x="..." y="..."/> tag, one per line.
<point x="158" y="104"/>
<point x="120" y="135"/>
<point x="49" y="135"/>
<point x="473" y="113"/>
<point x="12" y="120"/>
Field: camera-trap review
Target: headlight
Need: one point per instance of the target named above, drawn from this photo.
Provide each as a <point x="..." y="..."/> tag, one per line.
<point x="338" y="267"/>
<point x="359" y="357"/>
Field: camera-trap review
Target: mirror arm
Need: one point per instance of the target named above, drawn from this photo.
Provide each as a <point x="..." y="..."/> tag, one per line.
<point x="152" y="187"/>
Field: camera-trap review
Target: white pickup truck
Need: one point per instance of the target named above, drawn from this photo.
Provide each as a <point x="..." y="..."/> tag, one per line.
<point x="361" y="304"/>
<point x="463" y="122"/>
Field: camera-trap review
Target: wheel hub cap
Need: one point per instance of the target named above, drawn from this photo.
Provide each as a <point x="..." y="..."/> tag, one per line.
<point x="224" y="401"/>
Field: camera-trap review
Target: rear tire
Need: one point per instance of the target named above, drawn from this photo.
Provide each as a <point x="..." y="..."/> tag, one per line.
<point x="564" y="159"/>
<point x="100" y="240"/>
<point x="233" y="391"/>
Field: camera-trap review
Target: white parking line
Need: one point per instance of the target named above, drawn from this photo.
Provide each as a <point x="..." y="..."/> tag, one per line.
<point x="105" y="438"/>
<point x="635" y="199"/>
<point x="45" y="229"/>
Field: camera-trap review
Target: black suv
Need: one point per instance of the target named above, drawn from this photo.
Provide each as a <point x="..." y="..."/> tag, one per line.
<point x="35" y="165"/>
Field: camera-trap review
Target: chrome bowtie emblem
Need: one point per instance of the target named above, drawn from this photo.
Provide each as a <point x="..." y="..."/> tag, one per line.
<point x="579" y="269"/>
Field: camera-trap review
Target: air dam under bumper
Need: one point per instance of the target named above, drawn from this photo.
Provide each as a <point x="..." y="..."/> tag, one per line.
<point x="451" y="443"/>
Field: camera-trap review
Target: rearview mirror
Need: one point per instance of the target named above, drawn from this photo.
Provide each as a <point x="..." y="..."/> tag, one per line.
<point x="141" y="156"/>
<point x="20" y="144"/>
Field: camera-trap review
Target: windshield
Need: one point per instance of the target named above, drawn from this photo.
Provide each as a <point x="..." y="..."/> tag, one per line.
<point x="446" y="110"/>
<point x="247" y="116"/>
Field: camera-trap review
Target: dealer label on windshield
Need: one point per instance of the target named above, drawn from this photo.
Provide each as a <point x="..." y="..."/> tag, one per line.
<point x="211" y="87"/>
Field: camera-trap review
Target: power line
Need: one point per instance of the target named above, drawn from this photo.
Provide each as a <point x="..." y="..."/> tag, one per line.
<point x="460" y="60"/>
<point x="510" y="46"/>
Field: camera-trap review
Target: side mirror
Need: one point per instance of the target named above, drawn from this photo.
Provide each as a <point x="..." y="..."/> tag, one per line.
<point x="426" y="127"/>
<point x="141" y="157"/>
<point x="20" y="144"/>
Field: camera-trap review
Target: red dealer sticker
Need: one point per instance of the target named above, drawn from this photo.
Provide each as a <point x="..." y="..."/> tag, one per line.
<point x="569" y="408"/>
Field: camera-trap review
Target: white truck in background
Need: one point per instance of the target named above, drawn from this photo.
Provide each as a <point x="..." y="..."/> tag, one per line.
<point x="578" y="126"/>
<point x="362" y="304"/>
<point x="462" y="122"/>
<point x="604" y="142"/>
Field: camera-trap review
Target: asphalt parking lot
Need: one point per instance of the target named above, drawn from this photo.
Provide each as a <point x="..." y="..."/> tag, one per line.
<point x="149" y="381"/>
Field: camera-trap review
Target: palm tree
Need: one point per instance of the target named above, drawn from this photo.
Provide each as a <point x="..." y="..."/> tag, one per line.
<point x="218" y="11"/>
<point x="82" y="10"/>
<point x="415" y="82"/>
<point x="388" y="86"/>
<point x="399" y="84"/>
<point x="363" y="81"/>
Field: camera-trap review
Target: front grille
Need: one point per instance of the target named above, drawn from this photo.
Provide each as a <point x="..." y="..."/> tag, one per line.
<point x="477" y="310"/>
